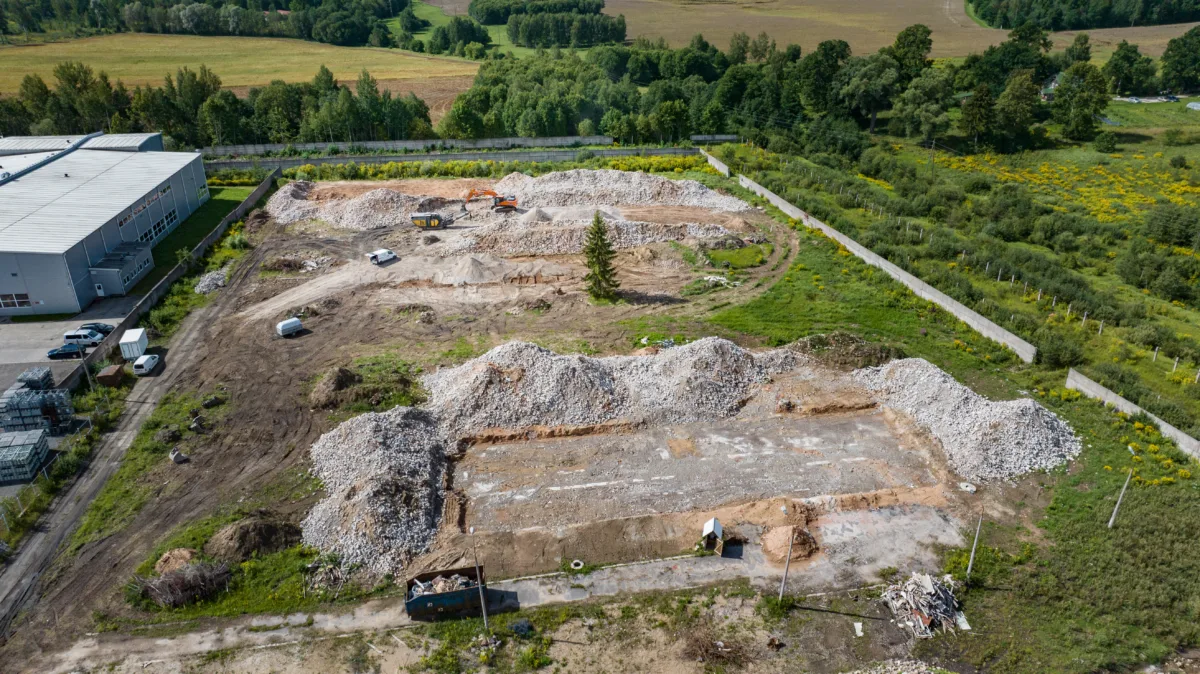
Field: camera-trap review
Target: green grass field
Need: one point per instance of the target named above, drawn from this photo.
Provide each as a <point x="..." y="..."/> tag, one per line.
<point x="136" y="58"/>
<point x="437" y="16"/>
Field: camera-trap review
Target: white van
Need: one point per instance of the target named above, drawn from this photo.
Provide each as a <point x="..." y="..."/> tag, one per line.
<point x="380" y="256"/>
<point x="288" y="327"/>
<point x="145" y="365"/>
<point x="83" y="337"/>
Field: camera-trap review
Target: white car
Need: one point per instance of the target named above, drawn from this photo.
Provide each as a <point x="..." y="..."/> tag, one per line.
<point x="145" y="365"/>
<point x="380" y="256"/>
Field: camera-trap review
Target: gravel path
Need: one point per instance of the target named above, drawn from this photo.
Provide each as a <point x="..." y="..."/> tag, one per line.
<point x="984" y="440"/>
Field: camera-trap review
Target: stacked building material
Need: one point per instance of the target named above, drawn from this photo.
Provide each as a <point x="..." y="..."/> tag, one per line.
<point x="924" y="604"/>
<point x="21" y="454"/>
<point x="37" y="379"/>
<point x="24" y="409"/>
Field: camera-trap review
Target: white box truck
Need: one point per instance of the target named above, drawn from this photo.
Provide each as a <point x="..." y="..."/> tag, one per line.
<point x="133" y="344"/>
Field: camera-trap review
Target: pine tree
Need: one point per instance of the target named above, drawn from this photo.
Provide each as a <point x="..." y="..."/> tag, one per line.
<point x="978" y="114"/>
<point x="601" y="278"/>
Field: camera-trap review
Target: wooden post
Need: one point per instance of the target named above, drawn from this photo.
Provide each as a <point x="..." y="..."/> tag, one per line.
<point x="1113" y="519"/>
<point x="1155" y="358"/>
<point x="1176" y="364"/>
<point x="787" y="562"/>
<point x="1101" y="332"/>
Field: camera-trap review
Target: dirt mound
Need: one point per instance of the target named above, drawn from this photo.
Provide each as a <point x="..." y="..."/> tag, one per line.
<point x="239" y="541"/>
<point x="846" y="351"/>
<point x="371" y="210"/>
<point x="174" y="560"/>
<point x="983" y="439"/>
<point x="613" y="188"/>
<point x="518" y="384"/>
<point x="383" y="475"/>
<point x="325" y="393"/>
<point x="290" y="203"/>
<point x="775" y="544"/>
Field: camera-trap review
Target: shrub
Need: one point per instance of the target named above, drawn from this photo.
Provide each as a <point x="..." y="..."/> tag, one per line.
<point x="1106" y="142"/>
<point x="1056" y="350"/>
<point x="1179" y="161"/>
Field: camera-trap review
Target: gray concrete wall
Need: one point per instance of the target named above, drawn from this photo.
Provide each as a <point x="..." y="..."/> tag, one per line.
<point x="402" y="145"/>
<point x="1092" y="389"/>
<point x="1024" y="350"/>
<point x="518" y="155"/>
<point x="716" y="163"/>
<point x="44" y="278"/>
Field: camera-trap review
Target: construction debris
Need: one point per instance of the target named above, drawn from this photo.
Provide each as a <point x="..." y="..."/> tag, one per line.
<point x="527" y="235"/>
<point x="183" y="586"/>
<point x="613" y="188"/>
<point x="211" y="282"/>
<point x="519" y="384"/>
<point x="375" y="209"/>
<point x="923" y="604"/>
<point x="441" y="584"/>
<point x="383" y="477"/>
<point x="899" y="667"/>
<point x="983" y="440"/>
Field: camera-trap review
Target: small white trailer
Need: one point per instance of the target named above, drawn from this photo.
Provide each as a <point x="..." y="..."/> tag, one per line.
<point x="133" y="344"/>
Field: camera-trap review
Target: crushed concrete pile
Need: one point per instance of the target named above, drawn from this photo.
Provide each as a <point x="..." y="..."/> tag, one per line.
<point x="383" y="475"/>
<point x="899" y="667"/>
<point x="211" y="282"/>
<point x="519" y="236"/>
<point x="983" y="440"/>
<point x="371" y="210"/>
<point x="615" y="188"/>
<point x="519" y="384"/>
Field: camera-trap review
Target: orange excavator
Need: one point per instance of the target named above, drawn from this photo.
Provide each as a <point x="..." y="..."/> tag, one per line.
<point x="500" y="203"/>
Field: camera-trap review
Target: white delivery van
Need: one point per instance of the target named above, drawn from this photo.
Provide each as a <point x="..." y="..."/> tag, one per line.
<point x="83" y="337"/>
<point x="289" y="327"/>
<point x="145" y="365"/>
<point x="133" y="344"/>
<point x="380" y="256"/>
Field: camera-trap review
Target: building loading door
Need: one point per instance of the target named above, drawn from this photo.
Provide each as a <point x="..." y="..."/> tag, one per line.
<point x="100" y="290"/>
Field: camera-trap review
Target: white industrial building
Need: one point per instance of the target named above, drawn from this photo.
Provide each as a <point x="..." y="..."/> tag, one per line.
<point x="80" y="214"/>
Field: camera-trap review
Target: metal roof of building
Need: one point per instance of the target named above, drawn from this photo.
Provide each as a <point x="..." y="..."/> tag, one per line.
<point x="56" y="206"/>
<point x="112" y="141"/>
<point x="14" y="163"/>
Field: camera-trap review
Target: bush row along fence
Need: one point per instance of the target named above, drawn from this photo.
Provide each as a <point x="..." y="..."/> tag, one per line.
<point x="408" y="145"/>
<point x="144" y="305"/>
<point x="517" y="155"/>
<point x="1024" y="350"/>
<point x="1092" y="389"/>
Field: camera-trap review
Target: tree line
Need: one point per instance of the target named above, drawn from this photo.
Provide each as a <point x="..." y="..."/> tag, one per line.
<point x="497" y="12"/>
<point x="565" y="30"/>
<point x="192" y="110"/>
<point x="339" y="22"/>
<point x="1082" y="14"/>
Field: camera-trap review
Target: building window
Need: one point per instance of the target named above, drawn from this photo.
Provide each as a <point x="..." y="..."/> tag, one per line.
<point x="164" y="190"/>
<point x="139" y="208"/>
<point x="15" y="301"/>
<point x="202" y="192"/>
<point x="154" y="232"/>
<point x="172" y="218"/>
<point x="122" y="222"/>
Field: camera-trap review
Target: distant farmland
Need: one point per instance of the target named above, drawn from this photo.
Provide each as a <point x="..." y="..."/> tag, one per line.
<point x="241" y="62"/>
<point x="867" y="26"/>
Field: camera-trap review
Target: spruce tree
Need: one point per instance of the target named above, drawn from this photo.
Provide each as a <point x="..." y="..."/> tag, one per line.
<point x="601" y="279"/>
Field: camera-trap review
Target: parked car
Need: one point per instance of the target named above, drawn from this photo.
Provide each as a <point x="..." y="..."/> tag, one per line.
<point x="145" y="365"/>
<point x="67" y="351"/>
<point x="380" y="256"/>
<point x="84" y="337"/>
<point x="102" y="328"/>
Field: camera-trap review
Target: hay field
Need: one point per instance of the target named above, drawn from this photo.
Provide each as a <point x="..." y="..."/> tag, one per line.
<point x="867" y="26"/>
<point x="241" y="62"/>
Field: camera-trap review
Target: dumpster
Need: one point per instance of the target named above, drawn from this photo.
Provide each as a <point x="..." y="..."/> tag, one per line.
<point x="444" y="594"/>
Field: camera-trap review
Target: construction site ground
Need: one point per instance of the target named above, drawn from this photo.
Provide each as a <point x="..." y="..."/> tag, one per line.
<point x="871" y="488"/>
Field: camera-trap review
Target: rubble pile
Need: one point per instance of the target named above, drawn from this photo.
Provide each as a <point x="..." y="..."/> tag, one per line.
<point x="519" y="384"/>
<point x="899" y="667"/>
<point x="383" y="481"/>
<point x="611" y="187"/>
<point x="211" y="282"/>
<point x="440" y="584"/>
<point x="983" y="440"/>
<point x="924" y="604"/>
<point x="372" y="210"/>
<point x="521" y="236"/>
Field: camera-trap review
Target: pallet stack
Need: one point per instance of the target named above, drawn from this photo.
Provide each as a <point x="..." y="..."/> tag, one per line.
<point x="37" y="379"/>
<point x="21" y="454"/>
<point x="33" y="404"/>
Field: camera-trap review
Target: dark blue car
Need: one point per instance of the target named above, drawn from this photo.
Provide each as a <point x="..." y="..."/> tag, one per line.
<point x="67" y="351"/>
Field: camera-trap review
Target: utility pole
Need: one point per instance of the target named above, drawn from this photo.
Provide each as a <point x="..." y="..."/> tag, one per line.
<point x="971" y="562"/>
<point x="1113" y="519"/>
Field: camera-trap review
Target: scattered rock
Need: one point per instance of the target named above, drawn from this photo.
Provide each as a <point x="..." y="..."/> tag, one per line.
<point x="613" y="188"/>
<point x="212" y="401"/>
<point x="174" y="559"/>
<point x="210" y="282"/>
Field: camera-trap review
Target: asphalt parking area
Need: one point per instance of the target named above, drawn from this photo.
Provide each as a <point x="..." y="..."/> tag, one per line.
<point x="24" y="345"/>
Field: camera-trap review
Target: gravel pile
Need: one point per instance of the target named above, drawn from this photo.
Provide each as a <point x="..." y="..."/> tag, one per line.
<point x="983" y="440"/>
<point x="210" y="282"/>
<point x="518" y="384"/>
<point x="517" y="237"/>
<point x="616" y="188"/>
<point x="898" y="667"/>
<point x="383" y="482"/>
<point x="370" y="210"/>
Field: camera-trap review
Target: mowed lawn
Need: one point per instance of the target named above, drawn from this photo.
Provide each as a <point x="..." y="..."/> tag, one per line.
<point x="241" y="62"/>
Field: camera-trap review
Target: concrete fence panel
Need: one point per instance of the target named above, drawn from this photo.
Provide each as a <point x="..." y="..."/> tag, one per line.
<point x="1092" y="389"/>
<point x="516" y="155"/>
<point x="409" y="145"/>
<point x="1024" y="350"/>
<point x="716" y="163"/>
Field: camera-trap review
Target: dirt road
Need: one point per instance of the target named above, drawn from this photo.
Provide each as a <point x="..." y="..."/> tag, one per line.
<point x="20" y="580"/>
